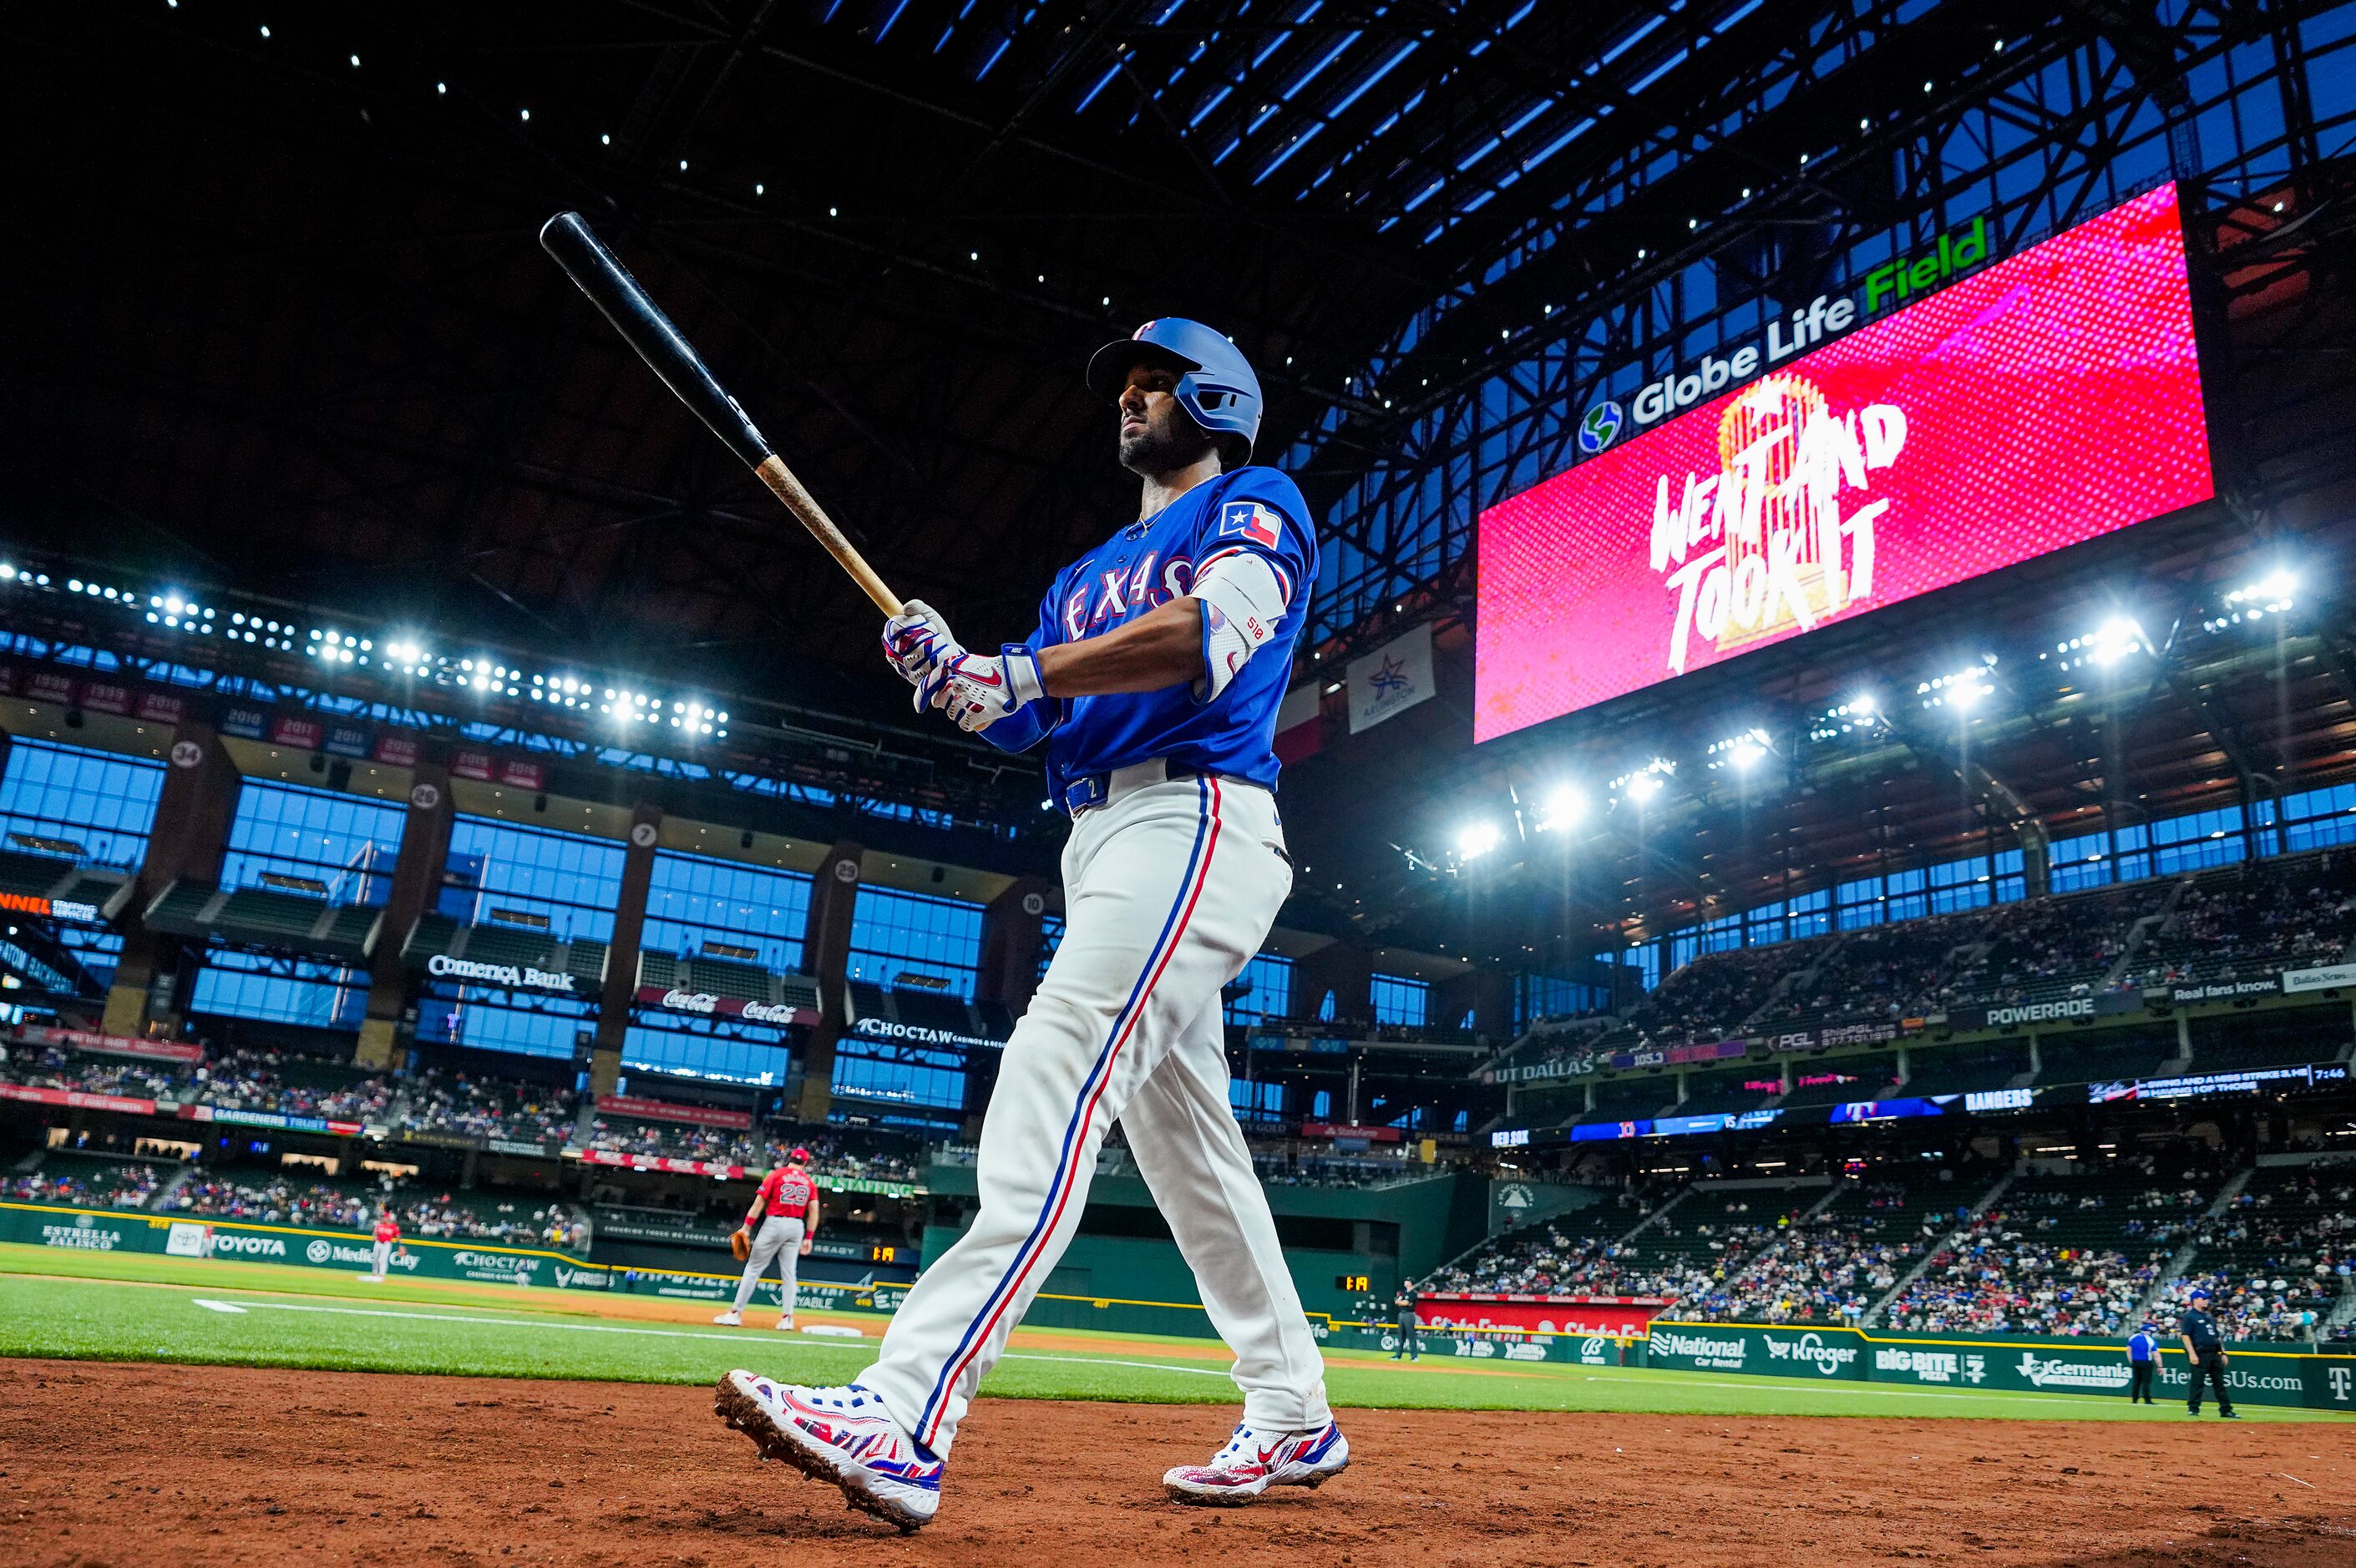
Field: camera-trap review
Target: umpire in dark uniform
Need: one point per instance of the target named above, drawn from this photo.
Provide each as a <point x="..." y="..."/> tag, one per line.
<point x="2204" y="1355"/>
<point x="1410" y="1343"/>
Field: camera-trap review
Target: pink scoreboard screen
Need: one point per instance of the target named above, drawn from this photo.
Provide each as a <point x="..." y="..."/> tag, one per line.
<point x="2045" y="400"/>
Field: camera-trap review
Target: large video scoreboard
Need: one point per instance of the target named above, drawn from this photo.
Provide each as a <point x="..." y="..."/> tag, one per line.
<point x="1850" y="464"/>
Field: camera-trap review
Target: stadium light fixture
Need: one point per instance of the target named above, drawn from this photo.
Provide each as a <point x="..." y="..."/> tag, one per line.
<point x="1476" y="840"/>
<point x="2116" y="639"/>
<point x="1562" y="806"/>
<point x="1644" y="786"/>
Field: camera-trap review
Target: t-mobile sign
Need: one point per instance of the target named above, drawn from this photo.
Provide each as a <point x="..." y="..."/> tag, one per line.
<point x="2046" y="399"/>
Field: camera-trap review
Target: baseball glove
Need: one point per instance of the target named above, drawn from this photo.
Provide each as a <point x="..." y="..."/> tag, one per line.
<point x="740" y="1242"/>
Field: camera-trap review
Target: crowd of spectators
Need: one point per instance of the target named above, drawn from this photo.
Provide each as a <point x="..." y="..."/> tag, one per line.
<point x="1995" y="1278"/>
<point x="284" y="1200"/>
<point x="676" y="1140"/>
<point x="51" y="1067"/>
<point x="254" y="1080"/>
<point x="477" y="1106"/>
<point x="2261" y="918"/>
<point x="126" y="1186"/>
<point x="1715" y="993"/>
<point x="2045" y="949"/>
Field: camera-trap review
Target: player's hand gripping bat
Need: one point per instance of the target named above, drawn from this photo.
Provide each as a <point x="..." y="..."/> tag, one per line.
<point x="669" y="356"/>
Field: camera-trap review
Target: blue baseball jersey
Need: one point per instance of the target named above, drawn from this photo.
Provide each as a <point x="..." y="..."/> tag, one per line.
<point x="1255" y="511"/>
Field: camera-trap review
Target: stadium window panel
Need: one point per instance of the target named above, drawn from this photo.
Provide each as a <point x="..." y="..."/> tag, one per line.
<point x="1646" y="958"/>
<point x="691" y="901"/>
<point x="2011" y="877"/>
<point x="246" y="985"/>
<point x="1722" y="934"/>
<point x="1321" y="1105"/>
<point x="1859" y="904"/>
<point x="1399" y="1000"/>
<point x="2131" y="854"/>
<point x="493" y="1019"/>
<point x="2081" y="862"/>
<point x="1263" y="990"/>
<point x="573" y="879"/>
<point x="2319" y="819"/>
<point x="1811" y="914"/>
<point x="2217" y="838"/>
<point x="1255" y="1102"/>
<point x="1961" y="885"/>
<point x="348" y="843"/>
<point x="1050" y="937"/>
<point x="1683" y="945"/>
<point x="103" y="803"/>
<point x="1763" y="926"/>
<point x="1903" y="896"/>
<point x="695" y="1049"/>
<point x="1539" y="996"/>
<point x="893" y="932"/>
<point x="909" y="1077"/>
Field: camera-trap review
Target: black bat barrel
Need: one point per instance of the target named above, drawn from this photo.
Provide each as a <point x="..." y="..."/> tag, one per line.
<point x="613" y="290"/>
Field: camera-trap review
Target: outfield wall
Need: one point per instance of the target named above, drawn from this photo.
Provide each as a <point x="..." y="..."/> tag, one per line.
<point x="483" y="1263"/>
<point x="2298" y="1375"/>
<point x="2259" y="1374"/>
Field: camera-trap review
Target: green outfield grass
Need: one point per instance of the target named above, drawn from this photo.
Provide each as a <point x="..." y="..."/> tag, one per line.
<point x="111" y="1307"/>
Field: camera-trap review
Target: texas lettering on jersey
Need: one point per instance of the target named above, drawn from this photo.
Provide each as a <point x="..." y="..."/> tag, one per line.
<point x="1253" y="510"/>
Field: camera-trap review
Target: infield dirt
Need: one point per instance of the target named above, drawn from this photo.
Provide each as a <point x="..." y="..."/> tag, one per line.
<point x="103" y="1463"/>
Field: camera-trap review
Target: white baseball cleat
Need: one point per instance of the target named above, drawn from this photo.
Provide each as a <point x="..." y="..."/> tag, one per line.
<point x="840" y="1435"/>
<point x="785" y="1324"/>
<point x="1254" y="1461"/>
<point x="729" y="1318"/>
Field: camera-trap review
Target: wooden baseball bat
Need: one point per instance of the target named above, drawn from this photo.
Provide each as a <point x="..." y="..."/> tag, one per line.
<point x="668" y="355"/>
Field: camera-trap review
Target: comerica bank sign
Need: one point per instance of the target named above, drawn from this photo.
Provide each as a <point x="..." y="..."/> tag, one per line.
<point x="514" y="977"/>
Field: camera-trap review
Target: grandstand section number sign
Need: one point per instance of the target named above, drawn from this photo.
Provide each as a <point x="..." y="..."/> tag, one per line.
<point x="2040" y="401"/>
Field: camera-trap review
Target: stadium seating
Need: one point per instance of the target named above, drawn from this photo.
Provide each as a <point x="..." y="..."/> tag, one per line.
<point x="1880" y="971"/>
<point x="2068" y="1060"/>
<point x="2046" y="949"/>
<point x="1574" y="1254"/>
<point x="2245" y="922"/>
<point x="86" y="1180"/>
<point x="474" y="1106"/>
<point x="2062" y="1254"/>
<point x="1832" y="1265"/>
<point x="2279" y="1259"/>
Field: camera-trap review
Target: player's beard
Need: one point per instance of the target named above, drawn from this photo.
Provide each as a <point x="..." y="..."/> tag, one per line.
<point x="1164" y="445"/>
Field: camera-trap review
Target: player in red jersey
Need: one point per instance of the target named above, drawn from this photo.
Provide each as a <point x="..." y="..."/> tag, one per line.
<point x="782" y="1224"/>
<point x="387" y="1235"/>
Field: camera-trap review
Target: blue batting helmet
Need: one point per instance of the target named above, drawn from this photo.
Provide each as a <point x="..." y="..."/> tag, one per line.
<point x="1216" y="384"/>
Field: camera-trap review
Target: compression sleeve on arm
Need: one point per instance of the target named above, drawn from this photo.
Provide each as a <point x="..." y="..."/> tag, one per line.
<point x="1242" y="600"/>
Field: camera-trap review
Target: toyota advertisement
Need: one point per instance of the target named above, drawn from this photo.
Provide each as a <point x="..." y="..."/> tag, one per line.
<point x="2041" y="400"/>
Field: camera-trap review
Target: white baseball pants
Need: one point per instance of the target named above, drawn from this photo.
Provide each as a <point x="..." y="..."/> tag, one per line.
<point x="780" y="1240"/>
<point x="1170" y="887"/>
<point x="383" y="1257"/>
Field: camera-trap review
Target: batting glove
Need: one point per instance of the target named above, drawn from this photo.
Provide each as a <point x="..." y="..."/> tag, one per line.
<point x="918" y="640"/>
<point x="976" y="692"/>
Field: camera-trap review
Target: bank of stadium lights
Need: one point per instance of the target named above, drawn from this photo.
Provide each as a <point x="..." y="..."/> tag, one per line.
<point x="1476" y="840"/>
<point x="174" y="613"/>
<point x="2117" y="638"/>
<point x="1856" y="715"/>
<point x="2272" y="594"/>
<point x="1561" y="807"/>
<point x="1640" y="784"/>
<point x="329" y="646"/>
<point x="1963" y="690"/>
<point x="1742" y="752"/>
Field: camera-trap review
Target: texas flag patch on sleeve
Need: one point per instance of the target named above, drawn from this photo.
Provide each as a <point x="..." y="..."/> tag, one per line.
<point x="1252" y="521"/>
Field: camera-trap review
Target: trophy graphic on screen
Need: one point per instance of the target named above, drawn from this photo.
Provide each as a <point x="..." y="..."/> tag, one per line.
<point x="1782" y="515"/>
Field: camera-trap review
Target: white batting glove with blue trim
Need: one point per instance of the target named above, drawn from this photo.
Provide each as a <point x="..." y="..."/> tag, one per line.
<point x="975" y="692"/>
<point x="918" y="640"/>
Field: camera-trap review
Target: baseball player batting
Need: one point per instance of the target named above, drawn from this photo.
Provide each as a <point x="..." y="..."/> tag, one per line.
<point x="781" y="1226"/>
<point x="1154" y="675"/>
